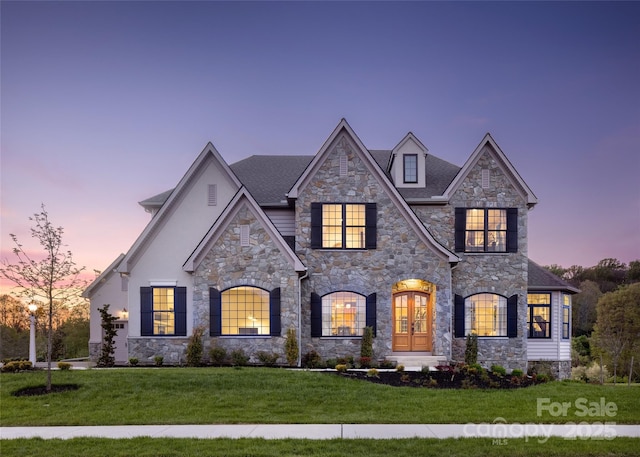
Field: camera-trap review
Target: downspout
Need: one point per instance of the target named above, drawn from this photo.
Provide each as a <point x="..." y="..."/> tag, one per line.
<point x="304" y="276"/>
<point x="452" y="308"/>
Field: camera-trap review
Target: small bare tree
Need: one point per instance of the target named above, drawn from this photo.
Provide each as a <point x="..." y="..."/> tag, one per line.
<point x="54" y="279"/>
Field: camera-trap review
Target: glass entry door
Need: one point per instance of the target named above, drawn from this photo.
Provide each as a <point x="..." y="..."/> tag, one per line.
<point x="411" y="322"/>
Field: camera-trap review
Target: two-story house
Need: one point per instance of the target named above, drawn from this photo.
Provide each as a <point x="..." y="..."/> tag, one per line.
<point x="423" y="251"/>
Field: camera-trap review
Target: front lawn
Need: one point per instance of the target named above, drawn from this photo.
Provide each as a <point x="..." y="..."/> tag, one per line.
<point x="264" y="395"/>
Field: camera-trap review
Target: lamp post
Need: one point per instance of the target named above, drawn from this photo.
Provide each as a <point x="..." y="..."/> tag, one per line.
<point x="32" y="334"/>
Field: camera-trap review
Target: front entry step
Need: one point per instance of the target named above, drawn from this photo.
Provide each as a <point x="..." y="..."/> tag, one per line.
<point x="416" y="362"/>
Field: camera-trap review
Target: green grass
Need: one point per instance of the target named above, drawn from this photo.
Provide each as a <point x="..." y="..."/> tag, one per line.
<point x="144" y="447"/>
<point x="262" y="395"/>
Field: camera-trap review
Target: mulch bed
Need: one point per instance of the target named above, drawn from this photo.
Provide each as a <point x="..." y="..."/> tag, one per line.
<point x="42" y="390"/>
<point x="441" y="379"/>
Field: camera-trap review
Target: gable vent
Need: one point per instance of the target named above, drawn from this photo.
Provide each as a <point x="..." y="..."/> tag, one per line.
<point x="213" y="195"/>
<point x="244" y="235"/>
<point x="343" y="165"/>
<point x="485" y="178"/>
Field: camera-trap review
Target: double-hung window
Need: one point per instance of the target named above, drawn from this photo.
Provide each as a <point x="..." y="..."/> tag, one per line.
<point x="410" y="168"/>
<point x="343" y="225"/>
<point x="566" y="316"/>
<point x="539" y="316"/>
<point x="486" y="230"/>
<point x="163" y="311"/>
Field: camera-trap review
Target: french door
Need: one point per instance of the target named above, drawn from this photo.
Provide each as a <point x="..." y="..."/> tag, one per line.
<point x="411" y="322"/>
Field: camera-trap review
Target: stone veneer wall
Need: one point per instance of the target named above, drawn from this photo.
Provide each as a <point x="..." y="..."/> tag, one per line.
<point x="560" y="369"/>
<point x="261" y="264"/>
<point x="504" y="273"/>
<point x="401" y="254"/>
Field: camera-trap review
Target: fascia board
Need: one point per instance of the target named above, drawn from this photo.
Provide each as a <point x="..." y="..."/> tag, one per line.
<point x="242" y="197"/>
<point x="319" y="157"/>
<point x="159" y="219"/>
<point x="500" y="155"/>
<point x="102" y="278"/>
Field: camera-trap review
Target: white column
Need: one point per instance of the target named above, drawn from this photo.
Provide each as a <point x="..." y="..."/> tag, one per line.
<point x="32" y="340"/>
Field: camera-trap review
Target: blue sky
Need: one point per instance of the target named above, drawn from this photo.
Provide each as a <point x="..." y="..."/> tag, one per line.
<point x="104" y="104"/>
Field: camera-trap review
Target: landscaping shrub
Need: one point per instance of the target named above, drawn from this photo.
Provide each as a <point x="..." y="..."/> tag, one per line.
<point x="106" y="358"/>
<point x="341" y="368"/>
<point x="372" y="373"/>
<point x="158" y="360"/>
<point x="387" y="364"/>
<point x="291" y="348"/>
<point x="312" y="360"/>
<point x="267" y="358"/>
<point x="218" y="355"/>
<point x="194" y="348"/>
<point x="366" y="344"/>
<point x="64" y="366"/>
<point x="498" y="370"/>
<point x="400" y="368"/>
<point x="239" y="358"/>
<point x="17" y="365"/>
<point x="471" y="349"/>
<point x="517" y="372"/>
<point x="364" y="362"/>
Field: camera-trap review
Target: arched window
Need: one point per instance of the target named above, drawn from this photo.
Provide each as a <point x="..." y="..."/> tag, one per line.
<point x="486" y="314"/>
<point x="343" y="314"/>
<point x="245" y="311"/>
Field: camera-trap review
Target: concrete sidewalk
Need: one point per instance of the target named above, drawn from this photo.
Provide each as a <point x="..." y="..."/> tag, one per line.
<point x="594" y="431"/>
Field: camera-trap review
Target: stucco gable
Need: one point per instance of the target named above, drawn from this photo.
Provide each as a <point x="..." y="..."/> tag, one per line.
<point x="209" y="155"/>
<point x="105" y="276"/>
<point x="489" y="146"/>
<point x="242" y="199"/>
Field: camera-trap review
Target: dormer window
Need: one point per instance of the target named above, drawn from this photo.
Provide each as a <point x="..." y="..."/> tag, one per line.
<point x="407" y="163"/>
<point x="410" y="168"/>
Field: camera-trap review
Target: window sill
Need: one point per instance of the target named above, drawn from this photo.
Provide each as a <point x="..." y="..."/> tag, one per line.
<point x="341" y="337"/>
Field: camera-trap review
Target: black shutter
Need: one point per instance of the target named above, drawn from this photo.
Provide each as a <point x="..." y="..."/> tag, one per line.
<point x="274" y="311"/>
<point x="371" y="312"/>
<point x="458" y="317"/>
<point x="146" y="311"/>
<point x="215" y="312"/>
<point x="512" y="316"/>
<point x="316" y="225"/>
<point x="460" y="226"/>
<point x="316" y="315"/>
<point x="180" y="310"/>
<point x="371" y="221"/>
<point x="512" y="229"/>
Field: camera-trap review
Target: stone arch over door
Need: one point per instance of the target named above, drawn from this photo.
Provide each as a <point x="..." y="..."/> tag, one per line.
<point x="413" y="315"/>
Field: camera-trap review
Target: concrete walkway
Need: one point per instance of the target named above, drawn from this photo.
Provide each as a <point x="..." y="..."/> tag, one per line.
<point x="598" y="431"/>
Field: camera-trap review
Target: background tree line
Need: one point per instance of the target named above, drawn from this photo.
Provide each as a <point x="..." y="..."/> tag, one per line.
<point x="605" y="314"/>
<point x="70" y="329"/>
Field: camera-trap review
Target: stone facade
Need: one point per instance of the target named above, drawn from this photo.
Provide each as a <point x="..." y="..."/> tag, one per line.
<point x="411" y="244"/>
<point x="261" y="264"/>
<point x="504" y="273"/>
<point x="400" y="254"/>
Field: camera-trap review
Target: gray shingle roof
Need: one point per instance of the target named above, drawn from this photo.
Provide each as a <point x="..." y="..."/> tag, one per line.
<point x="541" y="278"/>
<point x="268" y="178"/>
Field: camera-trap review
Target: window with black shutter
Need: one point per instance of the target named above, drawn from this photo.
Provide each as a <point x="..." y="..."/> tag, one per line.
<point x="343" y="225"/>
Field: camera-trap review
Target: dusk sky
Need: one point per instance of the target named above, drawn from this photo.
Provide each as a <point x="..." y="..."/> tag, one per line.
<point x="104" y="104"/>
